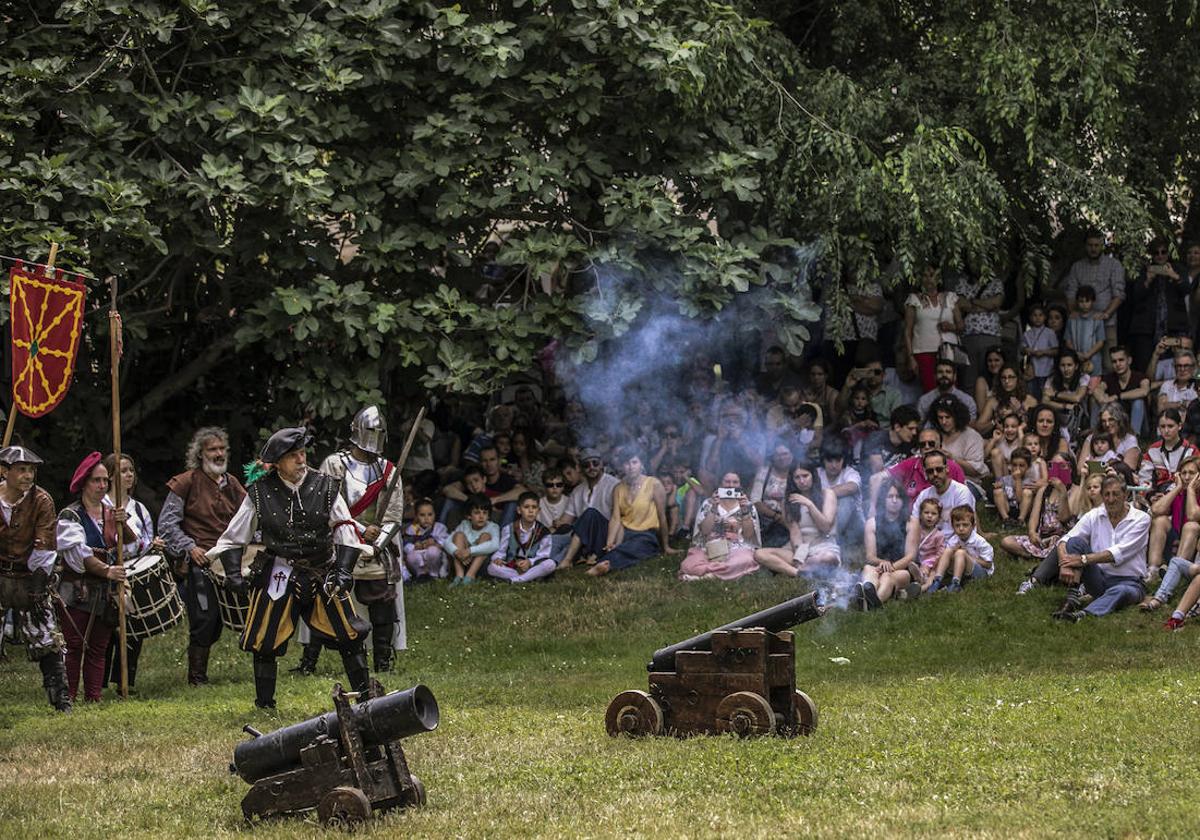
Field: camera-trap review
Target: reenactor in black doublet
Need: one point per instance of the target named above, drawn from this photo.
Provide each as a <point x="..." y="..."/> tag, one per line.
<point x="305" y="568"/>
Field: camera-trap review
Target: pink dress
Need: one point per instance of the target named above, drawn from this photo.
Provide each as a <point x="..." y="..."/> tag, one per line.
<point x="930" y="548"/>
<point x="740" y="559"/>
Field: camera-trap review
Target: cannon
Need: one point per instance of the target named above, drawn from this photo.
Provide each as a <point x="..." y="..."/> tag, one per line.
<point x="739" y="678"/>
<point x="346" y="763"/>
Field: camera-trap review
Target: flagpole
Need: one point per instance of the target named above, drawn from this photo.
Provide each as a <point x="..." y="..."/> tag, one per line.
<point x="12" y="410"/>
<point x="116" y="482"/>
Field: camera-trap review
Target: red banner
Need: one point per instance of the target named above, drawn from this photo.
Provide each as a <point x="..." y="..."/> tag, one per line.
<point x="46" y="314"/>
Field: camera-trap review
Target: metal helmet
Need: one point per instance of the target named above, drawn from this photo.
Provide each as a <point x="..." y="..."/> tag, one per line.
<point x="11" y="455"/>
<point x="368" y="430"/>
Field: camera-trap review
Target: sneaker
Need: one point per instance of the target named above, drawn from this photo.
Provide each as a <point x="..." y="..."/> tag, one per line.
<point x="1072" y="616"/>
<point x="858" y="598"/>
<point x="872" y="598"/>
<point x="1026" y="586"/>
<point x="935" y="586"/>
<point x="910" y="592"/>
<point x="954" y="586"/>
<point x="456" y="582"/>
<point x="467" y="581"/>
<point x="1173" y="623"/>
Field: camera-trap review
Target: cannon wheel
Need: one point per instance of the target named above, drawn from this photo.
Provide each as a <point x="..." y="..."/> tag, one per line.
<point x="633" y="713"/>
<point x="344" y="807"/>
<point x="806" y="713"/>
<point x="417" y="797"/>
<point x="745" y="713"/>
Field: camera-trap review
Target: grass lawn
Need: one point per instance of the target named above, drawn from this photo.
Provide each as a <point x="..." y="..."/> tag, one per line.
<point x="958" y="715"/>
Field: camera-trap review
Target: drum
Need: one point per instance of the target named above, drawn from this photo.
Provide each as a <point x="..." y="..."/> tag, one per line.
<point x="152" y="603"/>
<point x="234" y="607"/>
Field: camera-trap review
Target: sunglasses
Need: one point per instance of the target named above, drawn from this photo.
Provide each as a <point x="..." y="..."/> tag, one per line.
<point x="928" y="444"/>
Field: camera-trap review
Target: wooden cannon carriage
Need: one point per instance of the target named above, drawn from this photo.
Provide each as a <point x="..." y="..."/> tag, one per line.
<point x="739" y="678"/>
<point x="346" y="763"/>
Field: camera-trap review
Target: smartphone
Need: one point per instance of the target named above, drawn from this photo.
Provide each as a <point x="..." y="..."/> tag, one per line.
<point x="1095" y="468"/>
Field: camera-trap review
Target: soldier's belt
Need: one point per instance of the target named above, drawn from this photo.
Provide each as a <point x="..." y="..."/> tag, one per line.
<point x="14" y="567"/>
<point x="309" y="563"/>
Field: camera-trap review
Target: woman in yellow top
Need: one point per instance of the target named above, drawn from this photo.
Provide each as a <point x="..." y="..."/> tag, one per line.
<point x="638" y="528"/>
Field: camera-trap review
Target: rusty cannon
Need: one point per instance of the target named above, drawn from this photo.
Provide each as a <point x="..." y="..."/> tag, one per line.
<point x="739" y="677"/>
<point x="346" y="763"/>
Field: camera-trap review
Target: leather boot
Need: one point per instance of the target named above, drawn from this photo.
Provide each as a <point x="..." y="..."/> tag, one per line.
<point x="197" y="665"/>
<point x="264" y="682"/>
<point x="381" y="634"/>
<point x="54" y="680"/>
<point x="308" y="660"/>
<point x="357" y="672"/>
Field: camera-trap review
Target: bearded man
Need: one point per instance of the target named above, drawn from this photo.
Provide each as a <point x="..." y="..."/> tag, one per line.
<point x="199" y="505"/>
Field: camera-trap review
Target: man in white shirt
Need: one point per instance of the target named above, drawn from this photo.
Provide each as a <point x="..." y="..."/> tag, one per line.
<point x="1179" y="392"/>
<point x="589" y="509"/>
<point x="947" y="491"/>
<point x="1107" y="548"/>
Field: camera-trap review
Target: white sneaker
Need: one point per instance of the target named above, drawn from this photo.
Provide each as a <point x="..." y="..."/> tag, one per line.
<point x="1026" y="586"/>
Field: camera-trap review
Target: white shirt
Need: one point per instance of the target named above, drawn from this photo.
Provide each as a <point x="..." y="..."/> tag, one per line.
<point x="1174" y="394"/>
<point x="1127" y="541"/>
<point x="549" y="511"/>
<point x="976" y="546"/>
<point x="956" y="494"/>
<point x="598" y="497"/>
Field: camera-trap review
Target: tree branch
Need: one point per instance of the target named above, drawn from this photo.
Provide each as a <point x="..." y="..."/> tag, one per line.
<point x="213" y="355"/>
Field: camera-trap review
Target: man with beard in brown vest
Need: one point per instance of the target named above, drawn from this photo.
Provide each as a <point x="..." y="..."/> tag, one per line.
<point x="199" y="505"/>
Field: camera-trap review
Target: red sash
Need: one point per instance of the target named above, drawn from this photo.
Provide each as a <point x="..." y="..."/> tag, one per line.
<point x="372" y="492"/>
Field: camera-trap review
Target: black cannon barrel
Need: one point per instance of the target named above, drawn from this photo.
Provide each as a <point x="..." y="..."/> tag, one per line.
<point x="383" y="719"/>
<point x="776" y="618"/>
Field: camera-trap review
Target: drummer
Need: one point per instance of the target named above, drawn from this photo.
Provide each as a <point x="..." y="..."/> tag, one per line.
<point x="138" y="520"/>
<point x="199" y="505"/>
<point x="87" y="541"/>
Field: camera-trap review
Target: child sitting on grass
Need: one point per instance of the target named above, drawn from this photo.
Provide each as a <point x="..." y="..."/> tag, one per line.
<point x="524" y="552"/>
<point x="1005" y="439"/>
<point x="1038" y="473"/>
<point x="474" y="540"/>
<point x="967" y="554"/>
<point x="1012" y="490"/>
<point x="423" y="539"/>
<point x="927" y="542"/>
<point x="552" y="512"/>
<point x="1102" y="451"/>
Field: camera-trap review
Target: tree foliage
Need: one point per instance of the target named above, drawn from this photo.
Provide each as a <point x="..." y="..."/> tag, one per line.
<point x="295" y="195"/>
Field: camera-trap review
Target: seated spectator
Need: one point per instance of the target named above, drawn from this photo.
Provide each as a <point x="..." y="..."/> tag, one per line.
<point x="1085" y="333"/>
<point x="967" y="555"/>
<point x="474" y="540"/>
<point x="947" y="379"/>
<point x="811" y="516"/>
<point x="858" y="421"/>
<point x="910" y="473"/>
<point x="500" y="420"/>
<point x="667" y="479"/>
<point x="948" y="492"/>
<point x="1005" y="440"/>
<point x="800" y="434"/>
<point x="926" y="542"/>
<point x="768" y="495"/>
<point x="423" y="540"/>
<point x="1054" y="441"/>
<point x="816" y="389"/>
<point x="1011" y="492"/>
<point x="775" y="373"/>
<point x="1178" y="393"/>
<point x="988" y="381"/>
<point x="1163" y="458"/>
<point x="1173" y="524"/>
<point x="1049" y="519"/>
<point x="890" y="446"/>
<point x="498" y="486"/>
<point x="524" y="464"/>
<point x="671" y="448"/>
<point x="1124" y="446"/>
<point x="590" y="508"/>
<point x="734" y="448"/>
<point x="1126" y="388"/>
<point x="502" y="443"/>
<point x="1067" y="392"/>
<point x="553" y="512"/>
<point x="846" y="484"/>
<point x="1039" y="473"/>
<point x="1100" y="445"/>
<point x="689" y="492"/>
<point x="1039" y="344"/>
<point x="571" y="472"/>
<point x="959" y="440"/>
<point x="725" y="537"/>
<point x="1107" y="548"/>
<point x="638" y="528"/>
<point x="888" y="569"/>
<point x="1007" y="400"/>
<point x="883" y="398"/>
<point x="523" y="554"/>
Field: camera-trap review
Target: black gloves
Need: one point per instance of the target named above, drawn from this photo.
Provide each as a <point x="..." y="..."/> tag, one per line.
<point x="231" y="562"/>
<point x="342" y="574"/>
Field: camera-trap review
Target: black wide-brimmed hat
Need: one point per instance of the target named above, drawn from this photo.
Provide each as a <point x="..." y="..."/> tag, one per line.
<point x="283" y="442"/>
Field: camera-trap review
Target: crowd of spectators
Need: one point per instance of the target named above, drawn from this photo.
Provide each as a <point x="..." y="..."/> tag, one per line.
<point x="1071" y="420"/>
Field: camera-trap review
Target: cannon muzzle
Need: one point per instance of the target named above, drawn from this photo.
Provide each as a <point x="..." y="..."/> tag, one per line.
<point x="776" y="618"/>
<point x="379" y="721"/>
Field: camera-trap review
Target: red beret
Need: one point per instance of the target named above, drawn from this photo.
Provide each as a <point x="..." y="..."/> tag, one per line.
<point x="84" y="470"/>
